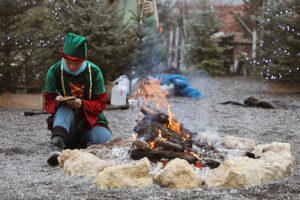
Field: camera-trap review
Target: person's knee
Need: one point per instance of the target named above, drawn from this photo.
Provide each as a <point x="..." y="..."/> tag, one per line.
<point x="64" y="109"/>
<point x="100" y="136"/>
<point x="64" y="117"/>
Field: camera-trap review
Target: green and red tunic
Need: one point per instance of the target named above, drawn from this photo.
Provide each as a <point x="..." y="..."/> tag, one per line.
<point x="88" y="85"/>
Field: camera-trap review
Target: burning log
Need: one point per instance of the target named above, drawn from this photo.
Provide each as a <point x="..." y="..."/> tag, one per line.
<point x="159" y="136"/>
<point x="141" y="145"/>
<point x="164" y="138"/>
<point x="162" y="118"/>
<point x="157" y="155"/>
<point x="168" y="145"/>
<point x="159" y="142"/>
<point x="156" y="120"/>
<point x="149" y="131"/>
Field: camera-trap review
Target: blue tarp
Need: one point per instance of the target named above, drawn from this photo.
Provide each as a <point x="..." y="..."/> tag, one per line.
<point x="181" y="84"/>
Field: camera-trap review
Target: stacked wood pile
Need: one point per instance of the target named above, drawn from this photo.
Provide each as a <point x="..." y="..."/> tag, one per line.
<point x="158" y="141"/>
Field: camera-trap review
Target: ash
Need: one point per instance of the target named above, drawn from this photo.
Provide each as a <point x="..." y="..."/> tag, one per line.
<point x="119" y="155"/>
<point x="156" y="167"/>
<point x="204" y="171"/>
<point x="24" y="145"/>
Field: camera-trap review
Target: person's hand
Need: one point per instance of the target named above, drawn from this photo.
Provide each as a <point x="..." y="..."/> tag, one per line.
<point x="59" y="98"/>
<point x="148" y="8"/>
<point x="74" y="104"/>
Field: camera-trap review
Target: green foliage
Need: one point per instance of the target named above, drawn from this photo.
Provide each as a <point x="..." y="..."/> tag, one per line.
<point x="20" y="32"/>
<point x="109" y="42"/>
<point x="279" y="52"/>
<point x="149" y="53"/>
<point x="203" y="51"/>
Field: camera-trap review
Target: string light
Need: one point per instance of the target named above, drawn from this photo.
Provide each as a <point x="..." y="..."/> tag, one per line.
<point x="271" y="23"/>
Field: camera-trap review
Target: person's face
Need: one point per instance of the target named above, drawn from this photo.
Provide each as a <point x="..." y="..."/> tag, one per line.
<point x="73" y="65"/>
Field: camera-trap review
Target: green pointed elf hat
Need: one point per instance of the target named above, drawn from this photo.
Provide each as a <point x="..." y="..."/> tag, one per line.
<point x="75" y="48"/>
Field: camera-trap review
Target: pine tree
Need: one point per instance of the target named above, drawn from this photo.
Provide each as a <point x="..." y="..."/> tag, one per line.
<point x="203" y="51"/>
<point x="44" y="39"/>
<point x="279" y="51"/>
<point x="150" y="54"/>
<point x="17" y="44"/>
<point x="109" y="42"/>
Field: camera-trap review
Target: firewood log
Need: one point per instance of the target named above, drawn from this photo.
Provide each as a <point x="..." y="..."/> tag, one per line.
<point x="141" y="145"/>
<point x="150" y="130"/>
<point x="162" y="118"/>
<point x="157" y="155"/>
<point x="168" y="145"/>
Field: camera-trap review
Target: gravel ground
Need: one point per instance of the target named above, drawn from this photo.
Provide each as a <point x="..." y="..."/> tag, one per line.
<point x="24" y="173"/>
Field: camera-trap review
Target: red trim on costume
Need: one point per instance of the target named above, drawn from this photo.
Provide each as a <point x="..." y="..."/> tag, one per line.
<point x="91" y="108"/>
<point x="50" y="102"/>
<point x="94" y="107"/>
<point x="70" y="57"/>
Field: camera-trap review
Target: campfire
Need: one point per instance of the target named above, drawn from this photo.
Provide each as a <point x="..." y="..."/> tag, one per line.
<point x="159" y="136"/>
<point x="191" y="159"/>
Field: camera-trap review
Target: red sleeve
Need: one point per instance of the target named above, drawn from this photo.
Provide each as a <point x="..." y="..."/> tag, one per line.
<point x="50" y="102"/>
<point x="93" y="108"/>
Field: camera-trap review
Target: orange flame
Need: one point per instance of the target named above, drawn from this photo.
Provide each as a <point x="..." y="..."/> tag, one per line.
<point x="159" y="135"/>
<point x="161" y="28"/>
<point x="151" y="93"/>
<point x="172" y="124"/>
<point x="175" y="126"/>
<point x="152" y="145"/>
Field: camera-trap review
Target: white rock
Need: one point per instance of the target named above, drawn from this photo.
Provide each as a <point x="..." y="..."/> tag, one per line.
<point x="83" y="163"/>
<point x="275" y="147"/>
<point x="129" y="175"/>
<point x="66" y="154"/>
<point x="236" y="172"/>
<point x="275" y="166"/>
<point x="274" y="161"/>
<point x="232" y="142"/>
<point x="178" y="174"/>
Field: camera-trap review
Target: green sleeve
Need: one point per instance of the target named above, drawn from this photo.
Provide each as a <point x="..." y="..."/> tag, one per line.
<point x="51" y="83"/>
<point x="98" y="82"/>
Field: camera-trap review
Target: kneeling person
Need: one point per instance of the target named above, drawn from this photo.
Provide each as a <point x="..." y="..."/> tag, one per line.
<point x="76" y="122"/>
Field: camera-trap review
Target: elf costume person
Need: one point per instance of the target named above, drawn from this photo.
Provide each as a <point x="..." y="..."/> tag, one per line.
<point x="77" y="123"/>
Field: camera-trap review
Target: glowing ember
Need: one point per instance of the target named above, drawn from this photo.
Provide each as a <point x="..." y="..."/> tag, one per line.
<point x="163" y="162"/>
<point x="198" y="164"/>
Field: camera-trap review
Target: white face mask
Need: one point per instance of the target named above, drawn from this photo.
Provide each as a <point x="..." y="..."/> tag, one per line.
<point x="65" y="67"/>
